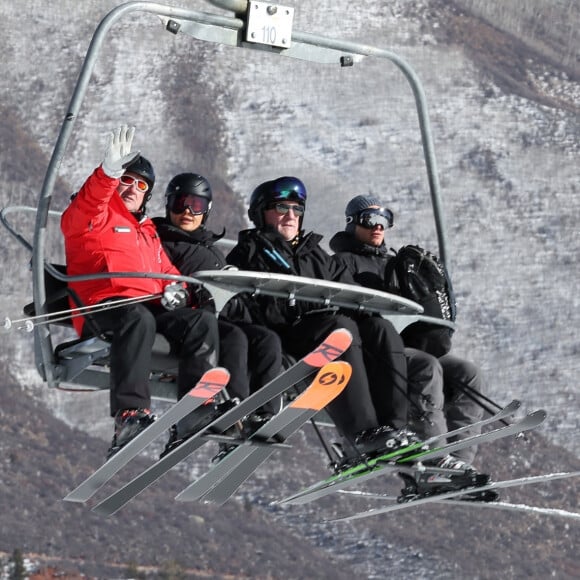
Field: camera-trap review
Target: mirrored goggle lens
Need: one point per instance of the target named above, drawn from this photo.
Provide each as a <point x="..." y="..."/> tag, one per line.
<point x="297" y="193"/>
<point x="128" y="180"/>
<point x="196" y="205"/>
<point x="378" y="217"/>
<point x="284" y="208"/>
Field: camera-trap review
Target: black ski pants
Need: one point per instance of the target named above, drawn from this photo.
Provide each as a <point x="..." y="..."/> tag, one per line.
<point x="353" y="410"/>
<point x="192" y="334"/>
<point x="386" y="364"/>
<point x="252" y="353"/>
<point x="463" y="382"/>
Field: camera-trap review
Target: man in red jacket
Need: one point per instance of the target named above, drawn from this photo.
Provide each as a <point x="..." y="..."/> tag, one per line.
<point x="106" y="229"/>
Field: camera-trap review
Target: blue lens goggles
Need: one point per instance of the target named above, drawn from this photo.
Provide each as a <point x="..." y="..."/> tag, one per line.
<point x="295" y="192"/>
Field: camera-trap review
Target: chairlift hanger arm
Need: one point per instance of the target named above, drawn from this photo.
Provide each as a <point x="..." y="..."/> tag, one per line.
<point x="325" y="50"/>
<point x="237" y="6"/>
<point x="12" y="230"/>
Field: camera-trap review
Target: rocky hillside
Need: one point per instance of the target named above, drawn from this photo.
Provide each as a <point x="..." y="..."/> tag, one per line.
<point x="42" y="460"/>
<point x="247" y="538"/>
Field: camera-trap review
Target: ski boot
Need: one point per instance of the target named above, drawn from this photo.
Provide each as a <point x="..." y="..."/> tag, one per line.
<point x="195" y="422"/>
<point x="383" y="439"/>
<point x="372" y="443"/>
<point x="224" y="449"/>
<point x="128" y="424"/>
<point x="443" y="475"/>
<point x="412" y="439"/>
<point x="249" y="425"/>
<point x="254" y="421"/>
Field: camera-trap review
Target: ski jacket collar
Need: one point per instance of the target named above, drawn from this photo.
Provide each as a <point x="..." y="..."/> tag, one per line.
<point x="346" y="242"/>
<point x="305" y="241"/>
<point x="171" y="233"/>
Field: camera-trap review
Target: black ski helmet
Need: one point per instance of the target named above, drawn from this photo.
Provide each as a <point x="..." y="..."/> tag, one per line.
<point x="189" y="184"/>
<point x="142" y="167"/>
<point x="281" y="189"/>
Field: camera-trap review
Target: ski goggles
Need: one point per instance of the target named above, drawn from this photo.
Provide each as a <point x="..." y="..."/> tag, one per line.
<point x="371" y="218"/>
<point x="128" y="180"/>
<point x="284" y="208"/>
<point x="293" y="192"/>
<point x="194" y="203"/>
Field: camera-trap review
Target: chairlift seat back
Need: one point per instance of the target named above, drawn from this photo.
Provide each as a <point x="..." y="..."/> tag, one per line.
<point x="83" y="363"/>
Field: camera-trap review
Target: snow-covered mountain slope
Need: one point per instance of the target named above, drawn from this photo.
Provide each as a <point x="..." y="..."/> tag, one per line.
<point x="508" y="160"/>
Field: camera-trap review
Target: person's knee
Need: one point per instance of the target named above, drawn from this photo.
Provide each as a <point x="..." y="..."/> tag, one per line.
<point x="331" y="323"/>
<point x="379" y="331"/>
<point x="265" y="337"/>
<point x="140" y="317"/>
<point x="422" y="363"/>
<point x="471" y="371"/>
<point x="461" y="371"/>
<point x="230" y="333"/>
<point x="379" y="324"/>
<point x="203" y="323"/>
<point x="342" y="321"/>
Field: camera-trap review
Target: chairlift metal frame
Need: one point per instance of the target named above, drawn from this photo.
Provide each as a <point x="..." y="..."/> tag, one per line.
<point x="210" y="28"/>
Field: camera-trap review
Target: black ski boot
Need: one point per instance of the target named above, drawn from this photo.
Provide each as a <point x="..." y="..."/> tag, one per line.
<point x="254" y="421"/>
<point x="128" y="424"/>
<point x="445" y="474"/>
<point x="195" y="422"/>
<point x="371" y="443"/>
<point x="248" y="427"/>
<point x="224" y="449"/>
<point x="383" y="439"/>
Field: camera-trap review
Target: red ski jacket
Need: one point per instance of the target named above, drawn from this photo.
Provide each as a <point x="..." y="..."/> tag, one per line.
<point x="102" y="235"/>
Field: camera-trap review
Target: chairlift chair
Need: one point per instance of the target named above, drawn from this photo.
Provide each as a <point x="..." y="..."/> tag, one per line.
<point x="82" y="363"/>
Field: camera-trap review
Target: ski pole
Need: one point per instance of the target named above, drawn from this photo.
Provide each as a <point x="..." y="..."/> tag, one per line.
<point x="29" y="323"/>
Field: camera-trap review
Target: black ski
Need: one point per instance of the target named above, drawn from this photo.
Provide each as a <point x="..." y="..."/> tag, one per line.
<point x="219" y="484"/>
<point x="442" y="497"/>
<point x="331" y="348"/>
<point x="407" y="464"/>
<point x="210" y="384"/>
<point x="222" y="481"/>
<point x="497" y="504"/>
<point x="507" y="411"/>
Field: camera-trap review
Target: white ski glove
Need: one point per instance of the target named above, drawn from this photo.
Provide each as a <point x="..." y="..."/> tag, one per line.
<point x="118" y="151"/>
<point x="174" y="296"/>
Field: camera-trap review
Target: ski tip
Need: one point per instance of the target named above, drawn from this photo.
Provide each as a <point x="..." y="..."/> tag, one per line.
<point x="102" y="511"/>
<point x="333" y="378"/>
<point x="540" y="415"/>
<point x="211" y="383"/>
<point x="217" y="374"/>
<point x="335" y="344"/>
<point x="73" y="498"/>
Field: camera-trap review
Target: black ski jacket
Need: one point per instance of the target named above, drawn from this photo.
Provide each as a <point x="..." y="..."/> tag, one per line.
<point x="366" y="263"/>
<point x="192" y="252"/>
<point x="267" y="251"/>
<point x="369" y="267"/>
